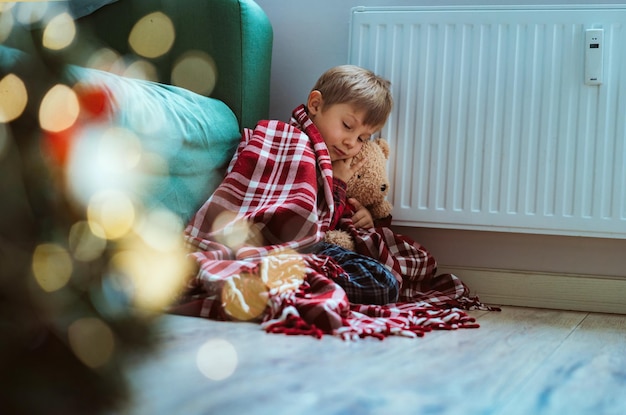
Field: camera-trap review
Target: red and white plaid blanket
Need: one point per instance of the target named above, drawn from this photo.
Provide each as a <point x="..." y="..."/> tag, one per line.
<point x="246" y="236"/>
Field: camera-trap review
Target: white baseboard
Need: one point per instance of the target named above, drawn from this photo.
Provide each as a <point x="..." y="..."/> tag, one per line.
<point x="544" y="290"/>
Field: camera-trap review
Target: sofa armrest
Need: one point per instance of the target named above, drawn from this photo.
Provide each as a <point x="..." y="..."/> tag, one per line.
<point x="235" y="33"/>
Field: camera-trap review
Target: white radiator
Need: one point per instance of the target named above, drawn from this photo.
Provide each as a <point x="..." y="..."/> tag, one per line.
<point x="494" y="127"/>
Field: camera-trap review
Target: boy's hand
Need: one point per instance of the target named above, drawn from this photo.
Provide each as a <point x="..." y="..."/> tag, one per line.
<point x="343" y="170"/>
<point x="362" y="217"/>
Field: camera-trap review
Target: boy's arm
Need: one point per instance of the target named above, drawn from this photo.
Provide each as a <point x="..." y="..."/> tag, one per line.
<point x="362" y="217"/>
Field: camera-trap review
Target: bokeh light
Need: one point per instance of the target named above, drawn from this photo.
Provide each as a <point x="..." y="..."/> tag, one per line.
<point x="106" y="59"/>
<point x="230" y="231"/>
<point x="141" y="69"/>
<point x="92" y="341"/>
<point x="152" y="36"/>
<point x="236" y="233"/>
<point x="13" y="98"/>
<point x="284" y="271"/>
<point x="84" y="244"/>
<point x="195" y="71"/>
<point x="52" y="266"/>
<point x="154" y="164"/>
<point x="111" y="214"/>
<point x="119" y="148"/>
<point x="103" y="159"/>
<point x="244" y="297"/>
<point x="217" y="359"/>
<point x="152" y="277"/>
<point x="161" y="229"/>
<point x="59" y="109"/>
<point x="59" y="32"/>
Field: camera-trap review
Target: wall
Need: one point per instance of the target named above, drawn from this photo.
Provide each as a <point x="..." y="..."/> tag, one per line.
<point x="311" y="36"/>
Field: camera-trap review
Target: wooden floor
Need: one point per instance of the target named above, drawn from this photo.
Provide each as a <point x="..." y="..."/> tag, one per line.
<point x="521" y="361"/>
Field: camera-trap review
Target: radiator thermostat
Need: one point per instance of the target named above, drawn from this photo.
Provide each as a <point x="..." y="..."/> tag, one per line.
<point x="594" y="47"/>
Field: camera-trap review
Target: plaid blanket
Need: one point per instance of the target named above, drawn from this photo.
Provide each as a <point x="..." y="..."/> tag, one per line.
<point x="275" y="201"/>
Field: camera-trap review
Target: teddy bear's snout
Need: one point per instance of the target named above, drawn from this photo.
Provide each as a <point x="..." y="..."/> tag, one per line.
<point x="383" y="187"/>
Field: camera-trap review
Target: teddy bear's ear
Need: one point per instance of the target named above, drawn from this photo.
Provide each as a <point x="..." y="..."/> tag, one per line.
<point x="384" y="146"/>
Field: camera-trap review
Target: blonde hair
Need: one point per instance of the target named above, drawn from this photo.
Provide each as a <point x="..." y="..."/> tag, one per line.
<point x="350" y="84"/>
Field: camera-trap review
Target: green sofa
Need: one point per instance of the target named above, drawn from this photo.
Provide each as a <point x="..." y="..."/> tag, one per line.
<point x="197" y="135"/>
<point x="235" y="33"/>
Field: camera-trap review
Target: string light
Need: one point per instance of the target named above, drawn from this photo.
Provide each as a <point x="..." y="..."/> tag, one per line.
<point x="195" y="71"/>
<point x="92" y="341"/>
<point x="59" y="32"/>
<point x="152" y="36"/>
<point x="13" y="98"/>
<point x="217" y="359"/>
<point x="52" y="266"/>
<point x="59" y="109"/>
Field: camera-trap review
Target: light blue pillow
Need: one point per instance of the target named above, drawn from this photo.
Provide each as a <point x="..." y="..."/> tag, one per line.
<point x="195" y="135"/>
<point x="80" y="8"/>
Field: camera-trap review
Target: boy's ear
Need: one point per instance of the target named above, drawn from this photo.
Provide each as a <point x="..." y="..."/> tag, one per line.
<point x="315" y="102"/>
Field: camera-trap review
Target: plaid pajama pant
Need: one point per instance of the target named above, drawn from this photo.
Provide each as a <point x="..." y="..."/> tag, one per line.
<point x="365" y="281"/>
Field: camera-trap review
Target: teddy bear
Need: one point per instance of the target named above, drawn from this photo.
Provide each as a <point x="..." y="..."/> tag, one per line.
<point x="369" y="186"/>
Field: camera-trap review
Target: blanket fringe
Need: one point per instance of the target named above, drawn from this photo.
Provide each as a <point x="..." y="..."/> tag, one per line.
<point x="408" y="320"/>
<point x="379" y="322"/>
<point x="291" y="323"/>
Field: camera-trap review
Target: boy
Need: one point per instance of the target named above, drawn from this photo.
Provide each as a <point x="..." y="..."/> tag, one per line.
<point x="347" y="105"/>
<point x="284" y="189"/>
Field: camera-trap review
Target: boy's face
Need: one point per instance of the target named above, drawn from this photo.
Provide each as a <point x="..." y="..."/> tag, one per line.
<point x="341" y="126"/>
